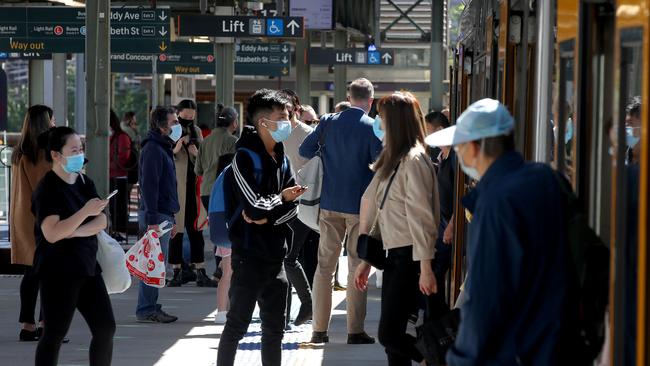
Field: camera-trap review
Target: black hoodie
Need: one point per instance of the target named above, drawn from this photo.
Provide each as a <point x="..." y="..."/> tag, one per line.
<point x="267" y="242"/>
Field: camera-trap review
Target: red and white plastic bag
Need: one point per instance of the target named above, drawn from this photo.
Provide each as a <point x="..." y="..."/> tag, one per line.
<point x="145" y="260"/>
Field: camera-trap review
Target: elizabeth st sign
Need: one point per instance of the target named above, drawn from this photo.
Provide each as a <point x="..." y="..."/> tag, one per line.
<point x="353" y="56"/>
<point x="239" y="26"/>
<point x="63" y="29"/>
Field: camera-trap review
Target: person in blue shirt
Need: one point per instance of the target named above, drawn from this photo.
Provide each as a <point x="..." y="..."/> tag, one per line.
<point x="517" y="282"/>
<point x="350" y="146"/>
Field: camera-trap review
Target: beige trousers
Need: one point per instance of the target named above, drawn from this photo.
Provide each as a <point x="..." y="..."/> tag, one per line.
<point x="333" y="227"/>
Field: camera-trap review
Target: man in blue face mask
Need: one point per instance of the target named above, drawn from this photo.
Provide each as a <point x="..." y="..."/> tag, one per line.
<point x="263" y="203"/>
<point x="517" y="280"/>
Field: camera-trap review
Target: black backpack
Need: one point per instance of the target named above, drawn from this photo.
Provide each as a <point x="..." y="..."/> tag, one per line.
<point x="589" y="286"/>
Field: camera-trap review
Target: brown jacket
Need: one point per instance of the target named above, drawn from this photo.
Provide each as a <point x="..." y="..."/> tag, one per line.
<point x="412" y="210"/>
<point x="24" y="178"/>
<point x="182" y="160"/>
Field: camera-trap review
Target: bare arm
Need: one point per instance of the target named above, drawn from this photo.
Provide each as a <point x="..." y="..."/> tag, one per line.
<point x="54" y="229"/>
<point x="91" y="228"/>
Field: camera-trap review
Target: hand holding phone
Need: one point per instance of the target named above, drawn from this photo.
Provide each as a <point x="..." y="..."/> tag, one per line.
<point x="111" y="195"/>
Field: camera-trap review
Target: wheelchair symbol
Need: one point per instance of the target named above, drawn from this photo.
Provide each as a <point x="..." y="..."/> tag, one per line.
<point x="275" y="27"/>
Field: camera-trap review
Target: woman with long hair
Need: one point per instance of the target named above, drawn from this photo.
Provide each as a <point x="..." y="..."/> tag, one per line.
<point x="402" y="201"/>
<point x="27" y="168"/>
<point x="69" y="215"/>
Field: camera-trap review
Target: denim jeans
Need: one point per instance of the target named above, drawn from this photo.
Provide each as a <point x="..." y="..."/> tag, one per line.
<point x="148" y="295"/>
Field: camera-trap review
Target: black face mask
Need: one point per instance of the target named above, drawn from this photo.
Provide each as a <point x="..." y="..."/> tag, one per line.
<point x="185" y="122"/>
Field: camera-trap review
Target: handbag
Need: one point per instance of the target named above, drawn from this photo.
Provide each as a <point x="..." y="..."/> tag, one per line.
<point x="436" y="335"/>
<point x="369" y="247"/>
<point x="311" y="175"/>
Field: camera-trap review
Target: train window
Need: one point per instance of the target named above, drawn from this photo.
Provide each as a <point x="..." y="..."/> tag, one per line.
<point x="564" y="127"/>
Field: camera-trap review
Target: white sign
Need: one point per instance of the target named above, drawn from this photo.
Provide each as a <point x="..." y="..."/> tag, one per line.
<point x="183" y="87"/>
<point x="318" y="14"/>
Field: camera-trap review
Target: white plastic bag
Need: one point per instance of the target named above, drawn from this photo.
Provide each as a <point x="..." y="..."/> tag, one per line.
<point x="145" y="260"/>
<point x="111" y="259"/>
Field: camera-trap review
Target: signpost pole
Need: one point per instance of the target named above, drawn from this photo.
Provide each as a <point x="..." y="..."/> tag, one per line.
<point x="80" y="95"/>
<point x="436" y="62"/>
<point x="154" y="84"/>
<point x="225" y="55"/>
<point x="340" y="71"/>
<point x="36" y="82"/>
<point x="98" y="91"/>
<point x="59" y="92"/>
<point x="303" y="69"/>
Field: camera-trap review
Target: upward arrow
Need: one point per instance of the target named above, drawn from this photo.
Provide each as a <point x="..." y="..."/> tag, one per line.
<point x="387" y="57"/>
<point x="293" y="25"/>
<point x="162" y="16"/>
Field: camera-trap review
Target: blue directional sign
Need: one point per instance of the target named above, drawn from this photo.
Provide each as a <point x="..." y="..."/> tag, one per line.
<point x="374" y="58"/>
<point x="352" y="57"/>
<point x="239" y="26"/>
<point x="266" y="59"/>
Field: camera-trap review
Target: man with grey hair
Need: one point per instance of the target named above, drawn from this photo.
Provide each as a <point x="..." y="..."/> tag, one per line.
<point x="350" y="146"/>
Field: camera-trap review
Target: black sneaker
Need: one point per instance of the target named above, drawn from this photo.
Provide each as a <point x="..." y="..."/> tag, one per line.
<point x="319" y="337"/>
<point x="28" y="335"/>
<point x="157" y="317"/>
<point x="176" y="280"/>
<point x="360" y="338"/>
<point x="202" y="279"/>
<point x="304" y="315"/>
<point x="188" y="274"/>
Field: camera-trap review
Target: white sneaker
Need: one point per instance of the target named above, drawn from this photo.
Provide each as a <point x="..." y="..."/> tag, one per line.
<point x="379" y="276"/>
<point x="220" y="318"/>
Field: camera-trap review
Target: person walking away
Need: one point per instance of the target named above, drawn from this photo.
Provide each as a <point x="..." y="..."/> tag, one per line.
<point x="299" y="231"/>
<point x="28" y="166"/>
<point x="219" y="145"/>
<point x="445" y="161"/>
<point x="403" y="196"/>
<point x="69" y="214"/>
<point x="185" y="153"/>
<point x="159" y="199"/>
<point x="517" y="285"/>
<point x="119" y="159"/>
<point x="265" y="199"/>
<point x="350" y="148"/>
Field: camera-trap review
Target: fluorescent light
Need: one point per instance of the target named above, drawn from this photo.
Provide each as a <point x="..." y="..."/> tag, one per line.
<point x="69" y="2"/>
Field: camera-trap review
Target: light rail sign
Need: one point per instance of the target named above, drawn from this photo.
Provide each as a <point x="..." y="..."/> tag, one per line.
<point x="63" y="29"/>
<point x="352" y="56"/>
<point x="267" y="59"/>
<point x="239" y="26"/>
<point x="177" y="58"/>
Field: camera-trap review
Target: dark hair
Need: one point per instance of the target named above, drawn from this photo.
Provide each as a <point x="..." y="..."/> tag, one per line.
<point x="496" y="146"/>
<point x="342" y="106"/>
<point x="361" y="89"/>
<point x="437" y="118"/>
<point x="633" y="109"/>
<point x="159" y="117"/>
<point x="404" y="126"/>
<point x="37" y="121"/>
<point x="57" y="138"/>
<point x="114" y="123"/>
<point x="294" y="99"/>
<point x="186" y="104"/>
<point x="264" y="101"/>
<point x="128" y="116"/>
<point x="226" y="117"/>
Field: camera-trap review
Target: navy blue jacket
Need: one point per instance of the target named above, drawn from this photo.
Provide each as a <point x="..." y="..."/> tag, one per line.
<point x="517" y="277"/>
<point x="157" y="177"/>
<point x="350" y="147"/>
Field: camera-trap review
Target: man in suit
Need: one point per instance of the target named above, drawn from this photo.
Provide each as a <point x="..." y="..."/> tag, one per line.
<point x="350" y="147"/>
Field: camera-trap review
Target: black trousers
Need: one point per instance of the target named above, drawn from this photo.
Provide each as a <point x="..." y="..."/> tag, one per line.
<point x="59" y="299"/>
<point x="28" y="296"/>
<point x="197" y="244"/>
<point x="295" y="274"/>
<point x="265" y="284"/>
<point x="119" y="205"/>
<point x="399" y="294"/>
<point x="309" y="256"/>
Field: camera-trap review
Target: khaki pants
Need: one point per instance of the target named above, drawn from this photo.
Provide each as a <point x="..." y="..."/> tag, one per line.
<point x="333" y="226"/>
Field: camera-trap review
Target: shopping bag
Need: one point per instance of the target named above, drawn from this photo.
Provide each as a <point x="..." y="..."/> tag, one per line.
<point x="111" y="259"/>
<point x="145" y="260"/>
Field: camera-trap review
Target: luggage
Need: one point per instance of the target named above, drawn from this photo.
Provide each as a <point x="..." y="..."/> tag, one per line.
<point x="111" y="259"/>
<point x="145" y="260"/>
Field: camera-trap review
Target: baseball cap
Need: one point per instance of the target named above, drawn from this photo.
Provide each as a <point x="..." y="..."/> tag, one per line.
<point x="228" y="114"/>
<point x="484" y="118"/>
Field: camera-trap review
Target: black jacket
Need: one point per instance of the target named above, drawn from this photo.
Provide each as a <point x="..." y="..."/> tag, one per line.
<point x="157" y="177"/>
<point x="265" y="243"/>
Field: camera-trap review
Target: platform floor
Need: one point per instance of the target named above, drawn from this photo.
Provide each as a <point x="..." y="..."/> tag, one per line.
<point x="194" y="338"/>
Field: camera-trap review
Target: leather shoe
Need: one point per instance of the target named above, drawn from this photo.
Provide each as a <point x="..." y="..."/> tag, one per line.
<point x="360" y="338"/>
<point x="319" y="337"/>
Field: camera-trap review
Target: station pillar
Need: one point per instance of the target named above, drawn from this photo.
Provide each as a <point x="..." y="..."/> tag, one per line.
<point x="303" y="69"/>
<point x="80" y="95"/>
<point x="97" y="92"/>
<point x="437" y="61"/>
<point x="59" y="90"/>
<point x="225" y="76"/>
<point x="40" y="82"/>
<point x="340" y="71"/>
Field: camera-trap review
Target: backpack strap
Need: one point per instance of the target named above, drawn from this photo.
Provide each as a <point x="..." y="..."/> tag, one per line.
<point x="257" y="163"/>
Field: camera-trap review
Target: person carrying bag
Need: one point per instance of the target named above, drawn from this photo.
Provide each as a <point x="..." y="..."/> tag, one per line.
<point x="404" y="197"/>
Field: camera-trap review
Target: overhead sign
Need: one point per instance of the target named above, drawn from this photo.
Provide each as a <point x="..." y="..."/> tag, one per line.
<point x="239" y="26"/>
<point x="353" y="56"/>
<point x="268" y="59"/>
<point x="3" y="100"/>
<point x="63" y="29"/>
<point x="177" y="58"/>
<point x="318" y="14"/>
<point x="25" y="56"/>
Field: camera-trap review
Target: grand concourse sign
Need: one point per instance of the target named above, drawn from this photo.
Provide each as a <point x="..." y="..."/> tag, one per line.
<point x="63" y="29"/>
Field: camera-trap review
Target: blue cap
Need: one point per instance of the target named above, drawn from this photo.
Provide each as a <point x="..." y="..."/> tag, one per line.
<point x="485" y="118"/>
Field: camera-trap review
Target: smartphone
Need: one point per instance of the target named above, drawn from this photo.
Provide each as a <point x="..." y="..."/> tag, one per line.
<point x="303" y="188"/>
<point x="111" y="195"/>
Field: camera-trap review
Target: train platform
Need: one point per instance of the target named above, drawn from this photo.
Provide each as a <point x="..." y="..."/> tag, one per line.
<point x="194" y="338"/>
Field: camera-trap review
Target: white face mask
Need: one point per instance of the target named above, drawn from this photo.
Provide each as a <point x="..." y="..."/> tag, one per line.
<point x="470" y="171"/>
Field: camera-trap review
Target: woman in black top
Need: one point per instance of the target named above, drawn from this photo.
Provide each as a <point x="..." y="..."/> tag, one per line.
<point x="69" y="214"/>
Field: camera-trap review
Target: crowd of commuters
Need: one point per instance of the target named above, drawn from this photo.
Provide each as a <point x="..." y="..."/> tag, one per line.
<point x="390" y="175"/>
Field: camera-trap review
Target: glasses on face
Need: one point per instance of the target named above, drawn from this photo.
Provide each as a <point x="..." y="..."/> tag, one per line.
<point x="311" y="122"/>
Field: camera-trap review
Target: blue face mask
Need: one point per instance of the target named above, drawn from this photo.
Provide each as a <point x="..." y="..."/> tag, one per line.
<point x="177" y="131"/>
<point x="282" y="132"/>
<point x="376" y="128"/>
<point x="74" y="163"/>
<point x="630" y="139"/>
